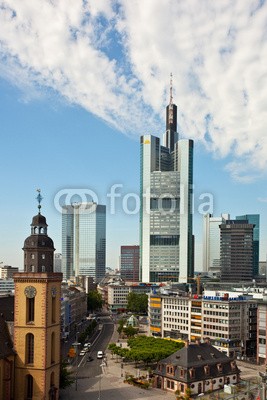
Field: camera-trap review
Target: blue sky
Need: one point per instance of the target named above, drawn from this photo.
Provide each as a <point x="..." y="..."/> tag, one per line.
<point x="81" y="81"/>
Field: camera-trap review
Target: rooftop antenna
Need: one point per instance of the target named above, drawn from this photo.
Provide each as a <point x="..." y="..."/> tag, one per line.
<point x="171" y="98"/>
<point x="39" y="198"/>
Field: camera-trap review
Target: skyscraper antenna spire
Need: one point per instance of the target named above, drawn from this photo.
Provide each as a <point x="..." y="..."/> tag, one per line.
<point x="39" y="198"/>
<point x="171" y="98"/>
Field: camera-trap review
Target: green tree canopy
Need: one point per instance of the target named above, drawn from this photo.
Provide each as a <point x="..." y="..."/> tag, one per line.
<point x="94" y="300"/>
<point x="137" y="302"/>
<point x="147" y="349"/>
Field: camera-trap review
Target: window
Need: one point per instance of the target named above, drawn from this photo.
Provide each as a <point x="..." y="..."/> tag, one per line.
<point x="53" y="348"/>
<point x="30" y="309"/>
<point x="43" y="268"/>
<point x="206" y="369"/>
<point x="182" y="373"/>
<point x="28" y="387"/>
<point x="43" y="256"/>
<point x="53" y="310"/>
<point x="192" y="372"/>
<point x="29" y="359"/>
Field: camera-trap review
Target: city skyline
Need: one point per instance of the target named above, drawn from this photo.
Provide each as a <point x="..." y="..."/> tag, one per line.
<point x="75" y="121"/>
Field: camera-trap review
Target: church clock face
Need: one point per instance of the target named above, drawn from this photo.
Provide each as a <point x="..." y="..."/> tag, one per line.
<point x="30" y="292"/>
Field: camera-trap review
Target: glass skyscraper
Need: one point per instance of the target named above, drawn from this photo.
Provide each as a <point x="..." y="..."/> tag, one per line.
<point x="84" y="240"/>
<point x="255" y="220"/>
<point x="211" y="243"/>
<point x="166" y="239"/>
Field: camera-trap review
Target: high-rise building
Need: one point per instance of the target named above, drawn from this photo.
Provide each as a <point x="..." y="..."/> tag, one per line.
<point x="57" y="262"/>
<point x="255" y="220"/>
<point x="130" y="263"/>
<point x="236" y="251"/>
<point x="84" y="240"/>
<point x="166" y="239"/>
<point x="37" y="318"/>
<point x="211" y="242"/>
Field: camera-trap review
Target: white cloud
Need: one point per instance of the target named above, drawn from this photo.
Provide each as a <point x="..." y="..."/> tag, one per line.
<point x="114" y="59"/>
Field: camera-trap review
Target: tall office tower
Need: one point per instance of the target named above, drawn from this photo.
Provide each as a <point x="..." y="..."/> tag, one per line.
<point x="37" y="318"/>
<point x="211" y="242"/>
<point x="57" y="262"/>
<point x="236" y="251"/>
<point x="130" y="263"/>
<point x="255" y="220"/>
<point x="166" y="239"/>
<point x="84" y="240"/>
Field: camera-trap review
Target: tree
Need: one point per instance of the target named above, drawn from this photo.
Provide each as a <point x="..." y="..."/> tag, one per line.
<point x="137" y="302"/>
<point x="65" y="379"/>
<point x="94" y="300"/>
<point x="130" y="331"/>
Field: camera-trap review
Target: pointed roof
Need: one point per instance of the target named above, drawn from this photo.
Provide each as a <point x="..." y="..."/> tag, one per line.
<point x="195" y="355"/>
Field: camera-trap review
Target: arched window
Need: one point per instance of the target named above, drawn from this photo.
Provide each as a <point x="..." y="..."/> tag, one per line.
<point x="28" y="387"/>
<point x="53" y="348"/>
<point x="53" y="310"/>
<point x="43" y="268"/>
<point x="30" y="303"/>
<point x="52" y="378"/>
<point x="29" y="358"/>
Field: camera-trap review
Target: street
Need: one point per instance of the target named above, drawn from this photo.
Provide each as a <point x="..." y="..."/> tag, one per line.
<point x="106" y="382"/>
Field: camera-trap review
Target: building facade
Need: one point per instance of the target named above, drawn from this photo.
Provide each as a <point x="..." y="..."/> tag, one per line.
<point x="84" y="240"/>
<point x="255" y="220"/>
<point x="6" y="272"/>
<point x="211" y="243"/>
<point x="236" y="246"/>
<point x="198" y="367"/>
<point x="129" y="260"/>
<point x="37" y="318"/>
<point x="166" y="239"/>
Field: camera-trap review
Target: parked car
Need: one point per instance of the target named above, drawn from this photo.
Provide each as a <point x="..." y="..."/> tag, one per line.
<point x="100" y="354"/>
<point x="87" y="345"/>
<point x="82" y="352"/>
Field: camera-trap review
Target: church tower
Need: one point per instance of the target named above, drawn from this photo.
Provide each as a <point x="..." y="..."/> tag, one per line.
<point x="37" y="317"/>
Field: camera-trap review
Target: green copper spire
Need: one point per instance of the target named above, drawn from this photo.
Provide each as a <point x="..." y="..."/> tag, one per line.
<point x="39" y="198"/>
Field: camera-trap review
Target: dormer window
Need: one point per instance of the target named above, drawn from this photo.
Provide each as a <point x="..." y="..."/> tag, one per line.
<point x="199" y="357"/>
<point x="182" y="373"/>
<point x="233" y="365"/>
<point x="219" y="367"/>
<point x="207" y="369"/>
<point x="192" y="372"/>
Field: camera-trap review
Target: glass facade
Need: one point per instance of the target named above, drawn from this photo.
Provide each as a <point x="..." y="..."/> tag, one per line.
<point x="166" y="182"/>
<point x="255" y="220"/>
<point x="84" y="240"/>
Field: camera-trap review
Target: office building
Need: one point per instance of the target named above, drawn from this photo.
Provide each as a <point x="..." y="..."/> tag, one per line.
<point x="6" y="272"/>
<point x="57" y="262"/>
<point x="236" y="247"/>
<point x="255" y="220"/>
<point x="84" y="240"/>
<point x="130" y="263"/>
<point x="166" y="239"/>
<point x="211" y="243"/>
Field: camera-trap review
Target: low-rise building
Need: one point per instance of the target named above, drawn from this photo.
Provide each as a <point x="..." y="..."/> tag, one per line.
<point x="6" y="272"/>
<point x="198" y="367"/>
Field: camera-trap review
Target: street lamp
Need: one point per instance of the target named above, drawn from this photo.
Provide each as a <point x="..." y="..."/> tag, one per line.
<point x="76" y="345"/>
<point x="99" y="390"/>
<point x="263" y="376"/>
